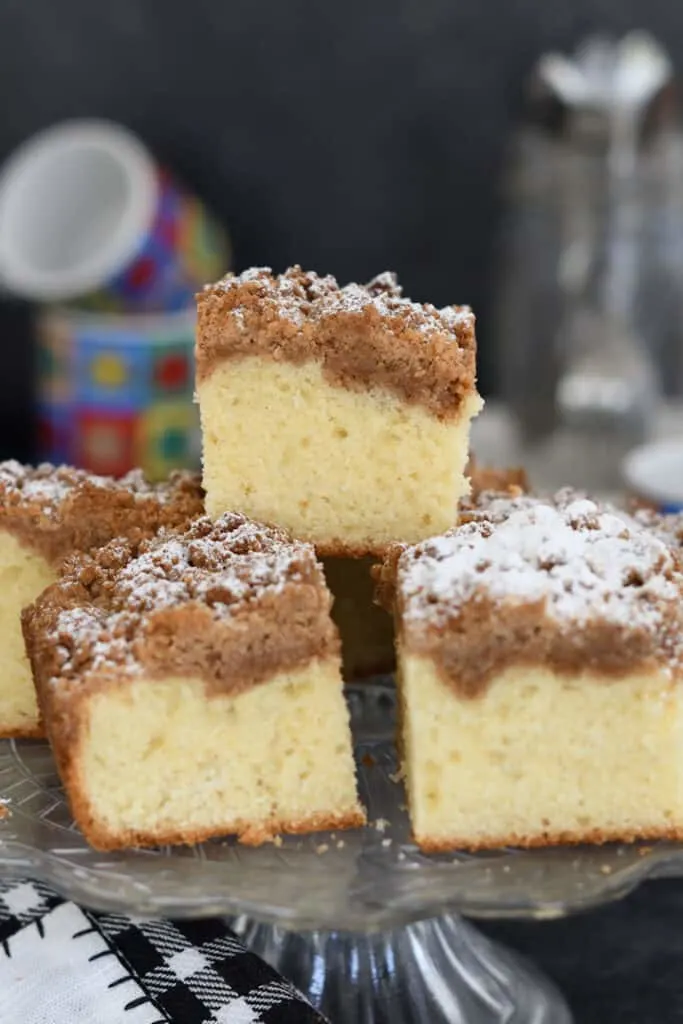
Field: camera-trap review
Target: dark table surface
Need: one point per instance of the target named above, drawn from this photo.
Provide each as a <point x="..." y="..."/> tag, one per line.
<point x="621" y="964"/>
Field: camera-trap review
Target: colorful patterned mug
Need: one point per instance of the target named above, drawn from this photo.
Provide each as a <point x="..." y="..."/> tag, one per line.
<point x="88" y="217"/>
<point x="116" y="392"/>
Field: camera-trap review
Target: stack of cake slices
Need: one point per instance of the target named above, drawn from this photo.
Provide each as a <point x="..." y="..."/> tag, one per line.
<point x="186" y="652"/>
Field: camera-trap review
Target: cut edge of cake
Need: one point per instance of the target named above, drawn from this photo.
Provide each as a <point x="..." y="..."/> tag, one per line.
<point x="86" y="776"/>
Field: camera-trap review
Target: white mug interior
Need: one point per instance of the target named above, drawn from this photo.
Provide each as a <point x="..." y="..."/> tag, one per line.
<point x="76" y="203"/>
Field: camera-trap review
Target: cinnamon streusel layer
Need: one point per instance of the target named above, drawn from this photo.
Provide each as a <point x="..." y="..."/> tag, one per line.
<point x="56" y="510"/>
<point x="363" y="335"/>
<point x="563" y="582"/>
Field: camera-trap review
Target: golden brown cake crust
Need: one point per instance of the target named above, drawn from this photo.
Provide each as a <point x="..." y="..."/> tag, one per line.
<point x="336" y="548"/>
<point x="594" y="836"/>
<point x="248" y="833"/>
<point x="229" y="601"/>
<point x="365" y="336"/>
<point x="34" y="732"/>
<point x="56" y="510"/>
<point x="560" y="582"/>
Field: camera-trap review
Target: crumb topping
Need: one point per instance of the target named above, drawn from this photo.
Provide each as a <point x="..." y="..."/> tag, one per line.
<point x="560" y="581"/>
<point x="298" y="295"/>
<point x="47" y="486"/>
<point x="59" y="509"/>
<point x="668" y="527"/>
<point x="582" y="561"/>
<point x="362" y="335"/>
<point x="495" y="506"/>
<point x="110" y="606"/>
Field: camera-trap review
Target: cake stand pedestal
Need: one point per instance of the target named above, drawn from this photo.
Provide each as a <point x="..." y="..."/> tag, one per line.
<point x="439" y="971"/>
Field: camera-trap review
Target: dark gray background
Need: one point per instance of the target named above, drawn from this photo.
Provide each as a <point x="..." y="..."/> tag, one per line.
<point x="348" y="137"/>
<point x="622" y="964"/>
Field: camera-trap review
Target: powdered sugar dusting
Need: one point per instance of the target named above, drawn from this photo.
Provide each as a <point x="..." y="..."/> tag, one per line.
<point x="46" y="487"/>
<point x="386" y="283"/>
<point x="213" y="568"/>
<point x="495" y="505"/>
<point x="668" y="527"/>
<point x="295" y="295"/>
<point x="299" y="295"/>
<point x="582" y="561"/>
<point x="221" y="565"/>
<point x="137" y="484"/>
<point x="81" y="637"/>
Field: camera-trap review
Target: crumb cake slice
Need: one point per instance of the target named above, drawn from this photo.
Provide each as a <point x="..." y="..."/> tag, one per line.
<point x="190" y="686"/>
<point x="539" y="649"/>
<point x="45" y="515"/>
<point x="341" y="414"/>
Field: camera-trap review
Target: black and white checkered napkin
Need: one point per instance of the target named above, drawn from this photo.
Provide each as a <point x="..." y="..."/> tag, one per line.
<point x="60" y="964"/>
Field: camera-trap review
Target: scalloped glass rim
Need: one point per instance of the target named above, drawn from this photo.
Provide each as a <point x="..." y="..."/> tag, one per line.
<point x="365" y="880"/>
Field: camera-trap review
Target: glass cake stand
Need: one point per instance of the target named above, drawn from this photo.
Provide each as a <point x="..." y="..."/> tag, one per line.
<point x="363" y="923"/>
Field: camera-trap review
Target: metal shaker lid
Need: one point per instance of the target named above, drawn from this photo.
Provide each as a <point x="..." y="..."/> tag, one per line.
<point x="603" y="79"/>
